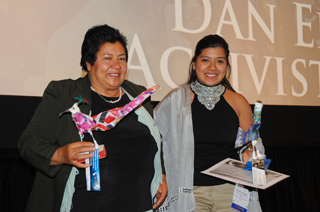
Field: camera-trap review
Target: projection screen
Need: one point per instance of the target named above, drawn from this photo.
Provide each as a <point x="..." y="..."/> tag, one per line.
<point x="274" y="44"/>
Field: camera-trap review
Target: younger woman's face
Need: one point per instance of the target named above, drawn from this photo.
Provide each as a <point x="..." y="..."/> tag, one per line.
<point x="211" y="66"/>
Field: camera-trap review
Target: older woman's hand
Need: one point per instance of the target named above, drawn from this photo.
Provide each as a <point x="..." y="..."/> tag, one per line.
<point x="162" y="192"/>
<point x="71" y="154"/>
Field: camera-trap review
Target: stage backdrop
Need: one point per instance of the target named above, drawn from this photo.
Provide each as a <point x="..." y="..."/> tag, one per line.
<point x="274" y="44"/>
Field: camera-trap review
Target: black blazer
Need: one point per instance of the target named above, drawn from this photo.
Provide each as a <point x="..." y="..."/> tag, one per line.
<point x="47" y="132"/>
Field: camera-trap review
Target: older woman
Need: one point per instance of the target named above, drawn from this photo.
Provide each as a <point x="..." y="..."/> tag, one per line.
<point x="199" y="123"/>
<point x="131" y="173"/>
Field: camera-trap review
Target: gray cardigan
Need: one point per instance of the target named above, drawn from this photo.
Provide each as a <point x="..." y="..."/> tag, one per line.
<point x="174" y="120"/>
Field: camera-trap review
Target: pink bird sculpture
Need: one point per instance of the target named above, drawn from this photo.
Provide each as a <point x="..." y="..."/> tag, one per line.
<point x="105" y="120"/>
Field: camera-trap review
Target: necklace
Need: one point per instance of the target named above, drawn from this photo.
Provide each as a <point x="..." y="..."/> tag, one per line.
<point x="208" y="96"/>
<point x="109" y="101"/>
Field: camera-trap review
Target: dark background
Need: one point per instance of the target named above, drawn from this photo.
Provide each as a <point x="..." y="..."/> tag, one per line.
<point x="290" y="135"/>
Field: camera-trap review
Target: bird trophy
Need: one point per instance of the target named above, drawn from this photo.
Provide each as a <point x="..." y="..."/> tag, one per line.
<point x="103" y="121"/>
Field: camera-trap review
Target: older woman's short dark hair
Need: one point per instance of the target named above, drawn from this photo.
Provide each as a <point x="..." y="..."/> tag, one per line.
<point x="95" y="38"/>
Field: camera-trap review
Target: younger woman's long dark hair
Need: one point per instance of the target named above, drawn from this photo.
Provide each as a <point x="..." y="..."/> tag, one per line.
<point x="206" y="42"/>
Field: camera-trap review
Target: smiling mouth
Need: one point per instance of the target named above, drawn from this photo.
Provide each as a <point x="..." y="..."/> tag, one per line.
<point x="114" y="75"/>
<point x="211" y="75"/>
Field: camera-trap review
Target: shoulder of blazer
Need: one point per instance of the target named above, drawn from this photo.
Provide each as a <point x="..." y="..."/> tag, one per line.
<point x="71" y="89"/>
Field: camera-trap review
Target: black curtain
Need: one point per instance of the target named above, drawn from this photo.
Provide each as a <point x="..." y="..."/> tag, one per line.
<point x="16" y="180"/>
<point x="301" y="191"/>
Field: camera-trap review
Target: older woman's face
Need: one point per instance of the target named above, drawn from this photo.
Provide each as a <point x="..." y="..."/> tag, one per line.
<point x="109" y="70"/>
<point x="211" y="66"/>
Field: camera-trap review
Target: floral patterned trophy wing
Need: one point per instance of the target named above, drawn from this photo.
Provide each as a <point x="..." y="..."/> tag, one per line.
<point x="108" y="119"/>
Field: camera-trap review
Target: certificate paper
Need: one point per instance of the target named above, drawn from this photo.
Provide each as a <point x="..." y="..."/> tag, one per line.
<point x="232" y="170"/>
